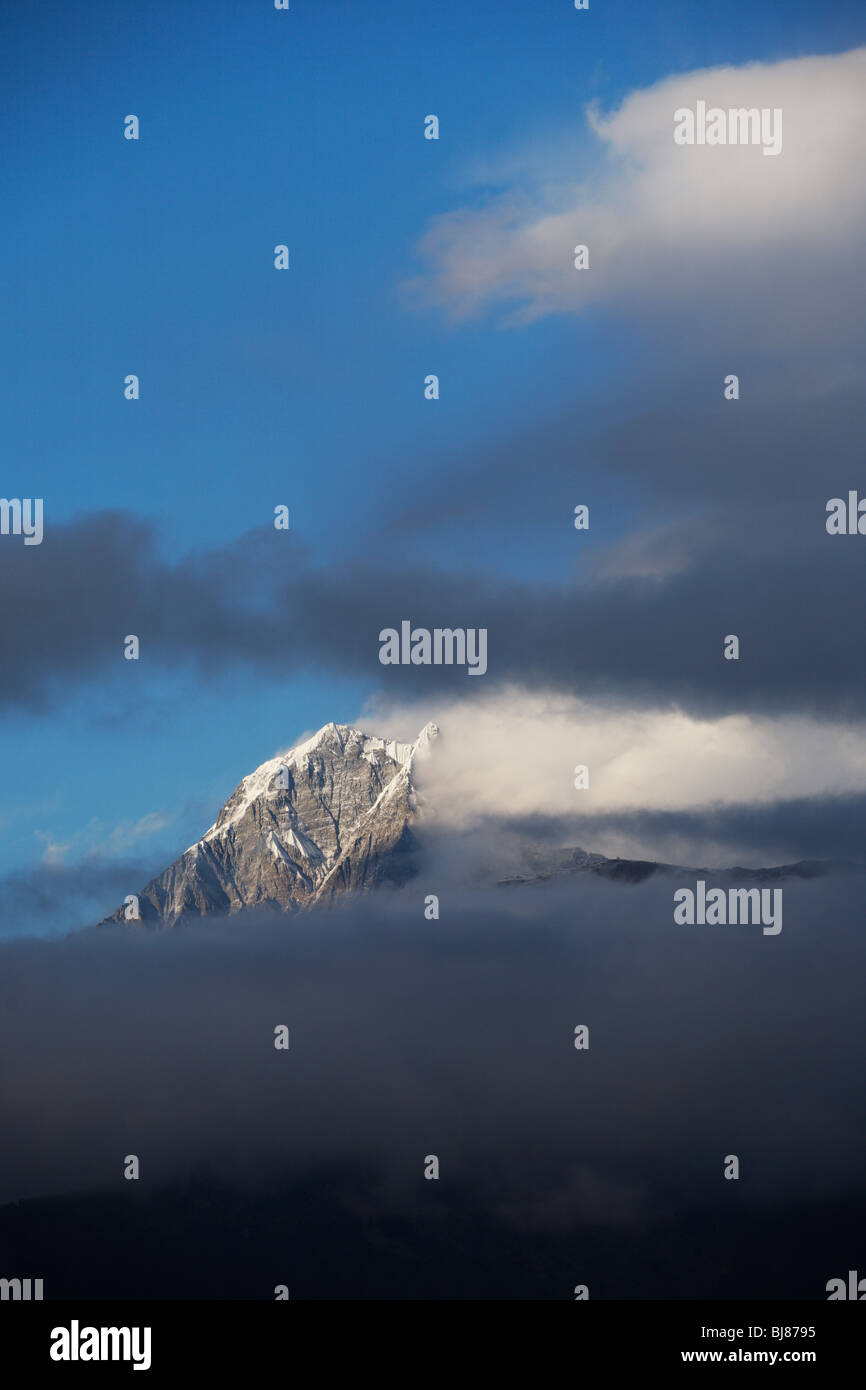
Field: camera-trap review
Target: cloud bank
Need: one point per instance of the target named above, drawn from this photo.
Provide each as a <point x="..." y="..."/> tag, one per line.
<point x="453" y="1037"/>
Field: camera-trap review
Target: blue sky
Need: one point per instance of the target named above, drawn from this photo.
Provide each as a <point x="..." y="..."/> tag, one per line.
<point x="305" y="388"/>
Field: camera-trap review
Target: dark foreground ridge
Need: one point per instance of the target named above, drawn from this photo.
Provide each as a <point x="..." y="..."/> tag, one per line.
<point x="327" y="1238"/>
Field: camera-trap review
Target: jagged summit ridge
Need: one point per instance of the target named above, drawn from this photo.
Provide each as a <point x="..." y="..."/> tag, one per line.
<point x="330" y="815"/>
<point x="330" y="741"/>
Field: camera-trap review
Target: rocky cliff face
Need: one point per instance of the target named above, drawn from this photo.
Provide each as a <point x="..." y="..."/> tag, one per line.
<point x="333" y="815"/>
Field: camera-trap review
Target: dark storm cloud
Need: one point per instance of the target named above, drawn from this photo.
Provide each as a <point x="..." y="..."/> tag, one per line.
<point x="644" y="623"/>
<point x="678" y="443"/>
<point x="655" y="642"/>
<point x="452" y="1038"/>
<point x="67" y="605"/>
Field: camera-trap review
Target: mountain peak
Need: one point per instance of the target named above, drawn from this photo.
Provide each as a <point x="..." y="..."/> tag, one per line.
<point x="330" y="814"/>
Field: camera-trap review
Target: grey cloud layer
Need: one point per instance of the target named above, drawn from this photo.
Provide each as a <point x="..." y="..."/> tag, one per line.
<point x="455" y="1038"/>
<point x="793" y="596"/>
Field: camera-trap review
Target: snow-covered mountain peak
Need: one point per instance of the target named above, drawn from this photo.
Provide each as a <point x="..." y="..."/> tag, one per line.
<point x="331" y="813"/>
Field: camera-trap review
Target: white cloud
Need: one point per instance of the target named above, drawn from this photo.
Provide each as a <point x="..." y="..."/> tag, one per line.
<point x="683" y="228"/>
<point x="513" y="753"/>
